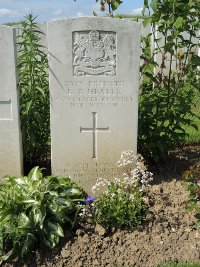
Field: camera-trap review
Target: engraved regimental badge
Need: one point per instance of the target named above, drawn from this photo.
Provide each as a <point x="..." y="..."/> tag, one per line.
<point x="94" y="53"/>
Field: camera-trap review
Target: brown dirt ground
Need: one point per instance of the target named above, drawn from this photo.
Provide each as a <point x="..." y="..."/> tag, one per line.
<point x="169" y="233"/>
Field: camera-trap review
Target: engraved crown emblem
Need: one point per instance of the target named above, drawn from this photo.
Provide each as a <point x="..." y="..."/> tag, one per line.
<point x="94" y="54"/>
<point x="94" y="35"/>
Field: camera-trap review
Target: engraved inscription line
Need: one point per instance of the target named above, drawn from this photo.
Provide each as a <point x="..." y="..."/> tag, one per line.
<point x="94" y="131"/>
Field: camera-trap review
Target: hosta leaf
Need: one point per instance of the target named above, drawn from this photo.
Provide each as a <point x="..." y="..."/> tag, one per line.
<point x="30" y="201"/>
<point x="37" y="216"/>
<point x="6" y="256"/>
<point x="47" y="242"/>
<point x="71" y="191"/>
<point x="35" y="174"/>
<point x="20" y="181"/>
<point x="24" y="220"/>
<point x="27" y="244"/>
<point x="53" y="207"/>
<point x="56" y="228"/>
<point x="64" y="202"/>
<point x="51" y="240"/>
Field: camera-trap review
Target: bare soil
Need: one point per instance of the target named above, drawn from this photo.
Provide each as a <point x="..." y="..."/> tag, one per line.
<point x="168" y="234"/>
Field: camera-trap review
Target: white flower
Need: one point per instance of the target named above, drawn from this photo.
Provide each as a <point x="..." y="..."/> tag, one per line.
<point x="100" y="183"/>
<point x="119" y="190"/>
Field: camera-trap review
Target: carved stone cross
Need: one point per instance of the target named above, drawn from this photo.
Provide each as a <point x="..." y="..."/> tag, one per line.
<point x="94" y="130"/>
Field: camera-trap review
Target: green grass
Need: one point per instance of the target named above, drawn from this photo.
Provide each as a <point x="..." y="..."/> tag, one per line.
<point x="194" y="135"/>
<point x="179" y="265"/>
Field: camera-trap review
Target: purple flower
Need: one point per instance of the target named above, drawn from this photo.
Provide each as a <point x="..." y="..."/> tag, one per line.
<point x="89" y="199"/>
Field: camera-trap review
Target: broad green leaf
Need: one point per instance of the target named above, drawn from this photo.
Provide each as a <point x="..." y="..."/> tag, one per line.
<point x="53" y="207"/>
<point x="47" y="242"/>
<point x="35" y="174"/>
<point x="30" y="201"/>
<point x="24" y="220"/>
<point x="64" y="202"/>
<point x="196" y="60"/>
<point x="71" y="191"/>
<point x="115" y="4"/>
<point x="57" y="228"/>
<point x="6" y="256"/>
<point x="41" y="91"/>
<point x="168" y="47"/>
<point x="179" y="22"/>
<point x="37" y="216"/>
<point x="27" y="244"/>
<point x="154" y="4"/>
<point x="28" y="106"/>
<point x="20" y="181"/>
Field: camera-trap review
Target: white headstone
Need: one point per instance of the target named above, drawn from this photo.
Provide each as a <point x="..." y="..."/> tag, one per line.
<point x="10" y="138"/>
<point x="171" y="61"/>
<point x="94" y="82"/>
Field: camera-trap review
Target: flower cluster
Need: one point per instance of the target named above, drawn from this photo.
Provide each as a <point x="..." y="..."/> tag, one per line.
<point x="122" y="204"/>
<point x="88" y="209"/>
<point x="100" y="185"/>
<point x="129" y="157"/>
<point x="143" y="177"/>
<point x="123" y="201"/>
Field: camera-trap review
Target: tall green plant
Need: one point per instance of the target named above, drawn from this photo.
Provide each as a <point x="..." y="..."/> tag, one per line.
<point x="170" y="84"/>
<point x="34" y="91"/>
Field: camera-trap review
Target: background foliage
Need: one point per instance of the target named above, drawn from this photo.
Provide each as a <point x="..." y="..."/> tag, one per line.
<point x="169" y="87"/>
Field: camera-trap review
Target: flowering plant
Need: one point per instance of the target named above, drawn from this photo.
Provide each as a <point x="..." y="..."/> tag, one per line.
<point x="123" y="203"/>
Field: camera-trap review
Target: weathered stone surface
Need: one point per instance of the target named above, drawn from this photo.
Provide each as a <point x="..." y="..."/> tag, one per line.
<point x="10" y="138"/>
<point x="94" y="81"/>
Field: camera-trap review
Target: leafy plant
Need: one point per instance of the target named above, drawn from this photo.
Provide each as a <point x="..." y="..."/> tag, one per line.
<point x="192" y="178"/>
<point x="34" y="92"/>
<point x="169" y="86"/>
<point x="33" y="211"/>
<point x="122" y="205"/>
<point x="112" y="5"/>
<point x="123" y="202"/>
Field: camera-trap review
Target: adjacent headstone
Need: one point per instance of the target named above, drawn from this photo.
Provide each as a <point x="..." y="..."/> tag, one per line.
<point x="10" y="138"/>
<point x="94" y="82"/>
<point x="172" y="61"/>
